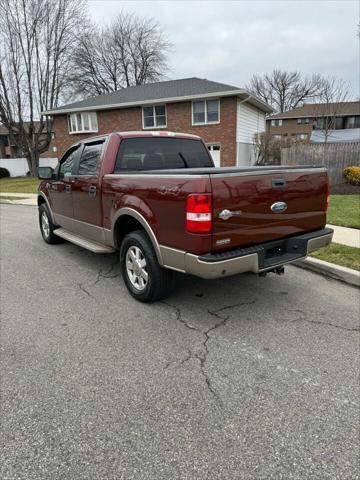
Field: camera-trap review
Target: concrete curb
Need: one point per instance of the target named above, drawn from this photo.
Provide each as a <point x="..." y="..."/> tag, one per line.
<point x="343" y="274"/>
<point x="17" y="194"/>
<point x="24" y="198"/>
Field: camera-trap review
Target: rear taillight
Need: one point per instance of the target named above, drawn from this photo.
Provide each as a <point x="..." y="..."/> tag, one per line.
<point x="327" y="194"/>
<point x="198" y="213"/>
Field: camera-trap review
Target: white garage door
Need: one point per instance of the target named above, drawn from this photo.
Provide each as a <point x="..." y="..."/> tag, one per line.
<point x="215" y="152"/>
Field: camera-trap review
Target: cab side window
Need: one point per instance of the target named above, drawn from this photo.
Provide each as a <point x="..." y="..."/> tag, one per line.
<point x="67" y="163"/>
<point x="90" y="158"/>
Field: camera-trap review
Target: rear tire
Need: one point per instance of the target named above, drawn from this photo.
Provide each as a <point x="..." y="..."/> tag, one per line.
<point x="47" y="226"/>
<point x="145" y="279"/>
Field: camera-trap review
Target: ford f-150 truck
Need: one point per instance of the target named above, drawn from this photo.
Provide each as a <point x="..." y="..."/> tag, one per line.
<point x="158" y="199"/>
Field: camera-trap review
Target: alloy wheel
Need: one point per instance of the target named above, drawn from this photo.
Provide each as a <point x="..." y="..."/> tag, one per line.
<point x="136" y="268"/>
<point x="45" y="224"/>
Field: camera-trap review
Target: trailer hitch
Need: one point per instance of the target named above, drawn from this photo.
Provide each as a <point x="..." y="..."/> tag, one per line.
<point x="277" y="270"/>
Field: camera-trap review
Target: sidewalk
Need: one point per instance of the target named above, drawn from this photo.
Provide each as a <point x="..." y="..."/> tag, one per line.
<point x="21" y="195"/>
<point x="346" y="236"/>
<point x="24" y="198"/>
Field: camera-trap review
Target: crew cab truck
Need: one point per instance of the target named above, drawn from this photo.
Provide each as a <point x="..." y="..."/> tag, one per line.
<point x="157" y="198"/>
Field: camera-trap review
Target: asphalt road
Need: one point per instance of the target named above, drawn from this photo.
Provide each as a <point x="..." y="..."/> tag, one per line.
<point x="241" y="378"/>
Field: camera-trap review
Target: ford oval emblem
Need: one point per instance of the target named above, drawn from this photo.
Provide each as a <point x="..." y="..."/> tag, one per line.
<point x="278" y="207"/>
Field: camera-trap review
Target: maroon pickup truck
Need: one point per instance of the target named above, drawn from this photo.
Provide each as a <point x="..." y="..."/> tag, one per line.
<point x="158" y="199"/>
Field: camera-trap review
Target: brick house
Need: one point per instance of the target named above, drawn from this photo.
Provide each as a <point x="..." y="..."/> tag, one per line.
<point x="10" y="148"/>
<point x="305" y="122"/>
<point x="226" y="117"/>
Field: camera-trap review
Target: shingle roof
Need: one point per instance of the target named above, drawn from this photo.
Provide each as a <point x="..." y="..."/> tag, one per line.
<point x="174" y="90"/>
<point x="313" y="110"/>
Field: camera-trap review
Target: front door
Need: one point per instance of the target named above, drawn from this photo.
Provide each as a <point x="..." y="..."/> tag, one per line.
<point x="60" y="191"/>
<point x="87" y="191"/>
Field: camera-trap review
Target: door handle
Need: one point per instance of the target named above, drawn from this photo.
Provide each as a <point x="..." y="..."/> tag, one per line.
<point x="67" y="188"/>
<point x="92" y="191"/>
<point x="278" y="183"/>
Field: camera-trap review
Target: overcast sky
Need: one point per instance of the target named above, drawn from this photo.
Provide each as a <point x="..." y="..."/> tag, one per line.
<point x="229" y="41"/>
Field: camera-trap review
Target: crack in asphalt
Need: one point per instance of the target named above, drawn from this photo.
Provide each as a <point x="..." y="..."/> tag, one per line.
<point x="83" y="289"/>
<point x="179" y="316"/>
<point x="106" y="274"/>
<point x="100" y="275"/>
<point x="304" y="318"/>
<point x="202" y="361"/>
<point x="187" y="358"/>
<point x="202" y="356"/>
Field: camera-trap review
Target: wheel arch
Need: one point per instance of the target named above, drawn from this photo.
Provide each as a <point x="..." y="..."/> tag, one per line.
<point x="41" y="199"/>
<point x="127" y="220"/>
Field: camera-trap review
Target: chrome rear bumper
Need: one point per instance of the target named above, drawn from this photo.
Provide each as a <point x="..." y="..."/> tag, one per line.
<point x="257" y="259"/>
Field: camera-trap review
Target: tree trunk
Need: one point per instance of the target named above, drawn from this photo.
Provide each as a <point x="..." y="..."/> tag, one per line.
<point x="33" y="162"/>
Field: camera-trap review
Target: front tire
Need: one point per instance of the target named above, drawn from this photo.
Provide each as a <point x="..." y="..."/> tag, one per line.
<point x="144" y="278"/>
<point x="47" y="227"/>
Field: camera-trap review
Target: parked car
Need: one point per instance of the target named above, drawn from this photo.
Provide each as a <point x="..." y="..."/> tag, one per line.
<point x="157" y="198"/>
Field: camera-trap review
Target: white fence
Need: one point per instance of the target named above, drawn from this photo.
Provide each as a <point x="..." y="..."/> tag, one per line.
<point x="18" y="167"/>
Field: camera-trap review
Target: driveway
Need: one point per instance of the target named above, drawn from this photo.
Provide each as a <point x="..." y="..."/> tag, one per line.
<point x="241" y="378"/>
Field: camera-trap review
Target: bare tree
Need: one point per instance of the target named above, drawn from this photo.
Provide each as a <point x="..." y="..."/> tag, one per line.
<point x="334" y="93"/>
<point x="268" y="148"/>
<point x="285" y="90"/>
<point x="36" y="41"/>
<point x="129" y="51"/>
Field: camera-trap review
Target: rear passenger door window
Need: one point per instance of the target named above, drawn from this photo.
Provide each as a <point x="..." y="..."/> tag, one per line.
<point x="90" y="156"/>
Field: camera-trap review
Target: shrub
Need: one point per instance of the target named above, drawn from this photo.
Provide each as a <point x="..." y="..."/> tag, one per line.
<point x="352" y="175"/>
<point x="4" y="172"/>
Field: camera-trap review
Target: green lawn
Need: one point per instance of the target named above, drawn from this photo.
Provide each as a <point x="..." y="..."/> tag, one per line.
<point x="19" y="185"/>
<point x="340" y="254"/>
<point x="344" y="210"/>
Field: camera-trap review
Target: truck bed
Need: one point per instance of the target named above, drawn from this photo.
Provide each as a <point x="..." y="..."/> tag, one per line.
<point x="249" y="193"/>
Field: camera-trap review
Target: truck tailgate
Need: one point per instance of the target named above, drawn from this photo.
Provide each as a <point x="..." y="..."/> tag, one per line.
<point x="250" y="197"/>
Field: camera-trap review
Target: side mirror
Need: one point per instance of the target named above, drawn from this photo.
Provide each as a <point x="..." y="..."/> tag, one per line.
<point x="45" y="173"/>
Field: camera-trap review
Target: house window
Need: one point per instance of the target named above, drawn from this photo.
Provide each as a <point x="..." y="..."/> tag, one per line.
<point x="303" y="121"/>
<point x="353" y="122"/>
<point x="339" y="123"/>
<point x="276" y="137"/>
<point x="276" y="122"/>
<point x="154" y="116"/>
<point x="83" y="122"/>
<point x="302" y="136"/>
<point x="324" y="123"/>
<point x="205" y="112"/>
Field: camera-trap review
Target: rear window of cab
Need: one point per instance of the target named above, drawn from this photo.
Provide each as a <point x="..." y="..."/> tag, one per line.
<point x="154" y="153"/>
